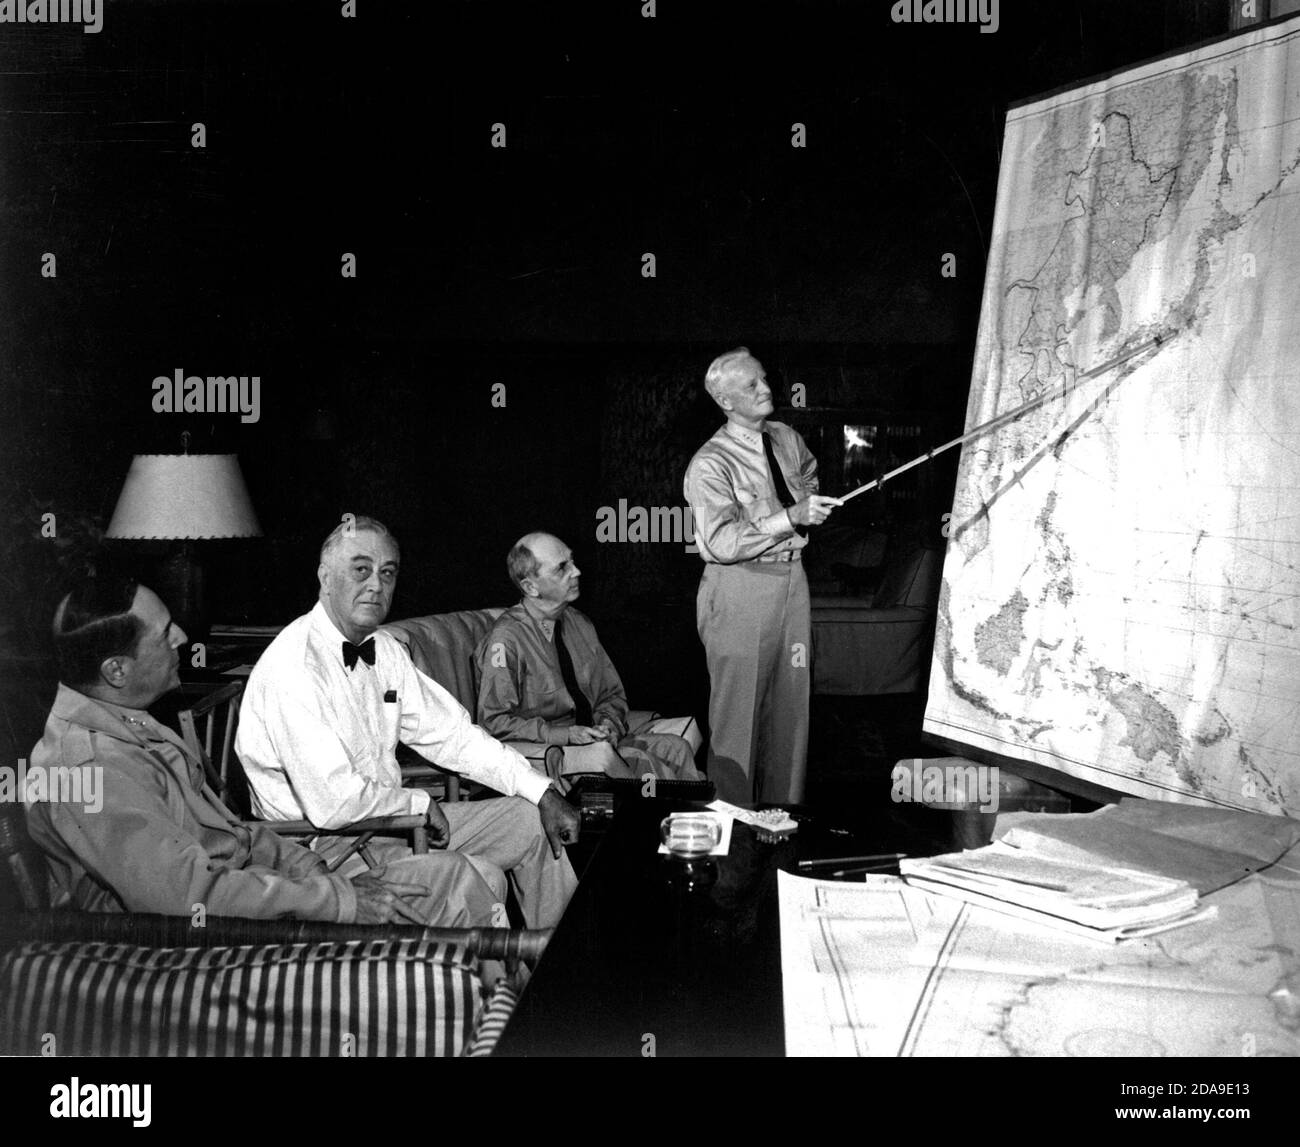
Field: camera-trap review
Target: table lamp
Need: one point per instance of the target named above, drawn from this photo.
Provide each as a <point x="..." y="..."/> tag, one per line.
<point x="185" y="497"/>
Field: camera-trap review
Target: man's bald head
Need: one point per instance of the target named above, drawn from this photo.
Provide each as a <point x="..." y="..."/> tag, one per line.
<point x="543" y="568"/>
<point x="522" y="561"/>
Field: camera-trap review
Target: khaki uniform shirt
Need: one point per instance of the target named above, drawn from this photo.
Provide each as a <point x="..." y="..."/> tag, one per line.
<point x="162" y="840"/>
<point x="738" y="517"/>
<point x="521" y="694"/>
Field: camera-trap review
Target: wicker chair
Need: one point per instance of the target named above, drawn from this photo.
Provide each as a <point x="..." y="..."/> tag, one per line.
<point x="208" y="726"/>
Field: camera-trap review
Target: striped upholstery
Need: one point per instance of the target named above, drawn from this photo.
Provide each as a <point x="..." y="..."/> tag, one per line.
<point x="496" y="1014"/>
<point x="360" y="997"/>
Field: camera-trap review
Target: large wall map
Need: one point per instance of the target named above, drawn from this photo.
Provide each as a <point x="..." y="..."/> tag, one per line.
<point x="1121" y="583"/>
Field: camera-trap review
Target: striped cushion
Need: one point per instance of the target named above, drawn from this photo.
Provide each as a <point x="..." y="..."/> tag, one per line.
<point x="492" y="1022"/>
<point x="361" y="997"/>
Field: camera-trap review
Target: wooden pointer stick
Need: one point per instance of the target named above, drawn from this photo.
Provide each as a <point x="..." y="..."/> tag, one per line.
<point x="993" y="423"/>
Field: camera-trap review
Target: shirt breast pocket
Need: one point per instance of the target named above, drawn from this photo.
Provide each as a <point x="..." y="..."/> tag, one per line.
<point x="392" y="718"/>
<point x="753" y="503"/>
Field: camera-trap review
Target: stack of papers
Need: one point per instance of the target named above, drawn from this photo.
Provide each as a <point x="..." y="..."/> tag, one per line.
<point x="1099" y="902"/>
<point x="1209" y="848"/>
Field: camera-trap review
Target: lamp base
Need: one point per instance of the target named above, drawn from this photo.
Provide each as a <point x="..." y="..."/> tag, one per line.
<point x="181" y="585"/>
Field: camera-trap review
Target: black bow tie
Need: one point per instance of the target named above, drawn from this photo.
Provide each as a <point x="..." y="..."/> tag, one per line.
<point x="366" y="651"/>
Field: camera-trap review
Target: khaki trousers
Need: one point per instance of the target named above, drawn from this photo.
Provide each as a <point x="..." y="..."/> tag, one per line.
<point x="756" y="625"/>
<point x="664" y="755"/>
<point x="662" y="747"/>
<point x="491" y="841"/>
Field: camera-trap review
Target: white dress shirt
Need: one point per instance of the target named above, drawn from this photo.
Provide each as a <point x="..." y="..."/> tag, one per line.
<point x="318" y="741"/>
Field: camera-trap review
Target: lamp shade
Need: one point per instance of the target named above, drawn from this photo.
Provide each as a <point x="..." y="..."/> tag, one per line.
<point x="184" y="496"/>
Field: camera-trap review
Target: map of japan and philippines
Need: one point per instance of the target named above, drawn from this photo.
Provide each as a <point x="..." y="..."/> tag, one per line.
<point x="1120" y="587"/>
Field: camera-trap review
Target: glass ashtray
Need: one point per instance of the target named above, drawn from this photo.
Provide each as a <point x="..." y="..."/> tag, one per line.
<point x="690" y="833"/>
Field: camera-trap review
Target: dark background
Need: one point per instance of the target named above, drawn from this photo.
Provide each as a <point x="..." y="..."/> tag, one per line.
<point x="477" y="266"/>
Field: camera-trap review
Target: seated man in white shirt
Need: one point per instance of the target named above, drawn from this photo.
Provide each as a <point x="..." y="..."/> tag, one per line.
<point x="324" y="709"/>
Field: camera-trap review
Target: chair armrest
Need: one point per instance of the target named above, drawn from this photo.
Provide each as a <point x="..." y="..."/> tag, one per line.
<point x="398" y="825"/>
<point x="405" y="822"/>
<point x="534" y="752"/>
<point x="421" y="772"/>
<point x="152" y="930"/>
<point x="429" y="777"/>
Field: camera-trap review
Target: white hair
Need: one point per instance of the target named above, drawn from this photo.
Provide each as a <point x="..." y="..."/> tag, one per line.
<point x="352" y="525"/>
<point x="724" y="368"/>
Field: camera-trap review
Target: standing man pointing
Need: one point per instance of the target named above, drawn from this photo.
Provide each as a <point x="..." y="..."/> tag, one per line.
<point x="752" y="489"/>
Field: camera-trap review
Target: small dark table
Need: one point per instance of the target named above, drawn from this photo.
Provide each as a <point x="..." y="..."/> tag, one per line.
<point x="655" y="958"/>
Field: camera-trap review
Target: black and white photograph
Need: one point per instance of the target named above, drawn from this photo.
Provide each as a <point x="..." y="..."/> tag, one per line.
<point x="651" y="528"/>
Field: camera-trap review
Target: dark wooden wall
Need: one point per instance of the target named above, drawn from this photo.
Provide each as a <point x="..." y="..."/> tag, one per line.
<point x="477" y="265"/>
